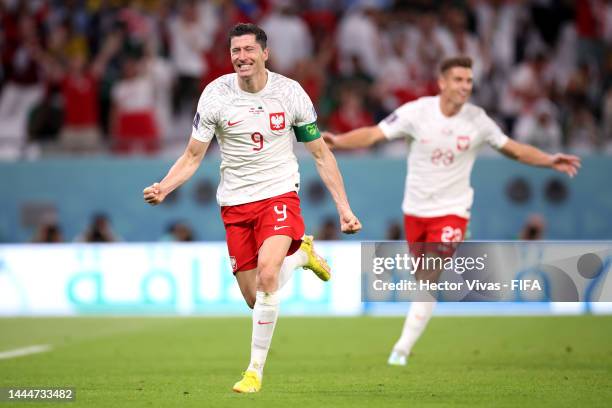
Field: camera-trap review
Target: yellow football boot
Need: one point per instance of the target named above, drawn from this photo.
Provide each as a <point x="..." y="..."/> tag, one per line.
<point x="250" y="383"/>
<point x="316" y="263"/>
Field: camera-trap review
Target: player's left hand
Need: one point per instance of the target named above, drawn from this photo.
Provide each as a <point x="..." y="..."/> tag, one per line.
<point x="566" y="163"/>
<point x="349" y="223"/>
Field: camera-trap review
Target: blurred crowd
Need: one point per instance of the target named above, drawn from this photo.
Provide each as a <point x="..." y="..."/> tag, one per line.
<point x="100" y="230"/>
<point x="96" y="76"/>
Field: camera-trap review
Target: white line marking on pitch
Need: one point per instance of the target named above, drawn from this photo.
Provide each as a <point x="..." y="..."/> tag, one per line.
<point x="24" y="351"/>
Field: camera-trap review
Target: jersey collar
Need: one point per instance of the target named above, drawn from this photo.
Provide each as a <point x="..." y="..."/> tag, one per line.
<point x="263" y="90"/>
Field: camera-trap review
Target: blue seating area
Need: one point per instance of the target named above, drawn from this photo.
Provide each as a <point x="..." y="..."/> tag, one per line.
<point x="506" y="193"/>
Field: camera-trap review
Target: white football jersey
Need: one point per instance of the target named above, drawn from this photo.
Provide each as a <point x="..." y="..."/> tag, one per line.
<point x="255" y="135"/>
<point x="442" y="154"/>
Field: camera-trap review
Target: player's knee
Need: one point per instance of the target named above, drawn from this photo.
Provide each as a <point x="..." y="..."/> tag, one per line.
<point x="268" y="278"/>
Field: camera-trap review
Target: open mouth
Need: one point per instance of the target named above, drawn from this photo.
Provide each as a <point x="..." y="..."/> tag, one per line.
<point x="244" y="67"/>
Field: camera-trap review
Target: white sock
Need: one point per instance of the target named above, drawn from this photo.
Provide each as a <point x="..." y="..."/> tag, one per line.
<point x="265" y="314"/>
<point x="297" y="259"/>
<point x="416" y="321"/>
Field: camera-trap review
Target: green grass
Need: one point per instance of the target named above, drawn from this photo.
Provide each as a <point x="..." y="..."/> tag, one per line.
<point x="316" y="362"/>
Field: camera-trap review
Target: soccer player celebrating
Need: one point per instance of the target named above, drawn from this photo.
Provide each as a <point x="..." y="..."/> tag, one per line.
<point x="445" y="133"/>
<point x="255" y="115"/>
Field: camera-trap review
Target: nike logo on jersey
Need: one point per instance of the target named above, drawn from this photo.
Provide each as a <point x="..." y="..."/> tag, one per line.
<point x="230" y="123"/>
<point x="260" y="322"/>
<point x="276" y="227"/>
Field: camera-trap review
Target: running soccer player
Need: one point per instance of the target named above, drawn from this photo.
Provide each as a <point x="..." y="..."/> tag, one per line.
<point x="445" y="133"/>
<point x="255" y="114"/>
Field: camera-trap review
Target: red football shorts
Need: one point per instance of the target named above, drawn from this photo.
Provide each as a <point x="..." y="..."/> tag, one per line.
<point x="445" y="231"/>
<point x="248" y="225"/>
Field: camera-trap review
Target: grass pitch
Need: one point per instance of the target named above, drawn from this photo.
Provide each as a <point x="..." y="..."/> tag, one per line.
<point x="315" y="362"/>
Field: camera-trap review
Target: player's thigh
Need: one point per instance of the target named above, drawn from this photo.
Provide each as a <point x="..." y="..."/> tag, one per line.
<point x="272" y="253"/>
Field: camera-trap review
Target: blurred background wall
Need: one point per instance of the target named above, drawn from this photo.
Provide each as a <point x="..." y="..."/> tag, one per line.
<point x="512" y="201"/>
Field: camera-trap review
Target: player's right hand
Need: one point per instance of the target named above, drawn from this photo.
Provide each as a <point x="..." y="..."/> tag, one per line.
<point x="349" y="223"/>
<point x="329" y="138"/>
<point x="566" y="163"/>
<point x="153" y="194"/>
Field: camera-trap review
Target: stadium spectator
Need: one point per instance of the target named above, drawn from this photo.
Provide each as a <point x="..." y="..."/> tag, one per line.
<point x="48" y="233"/>
<point x="583" y="88"/>
<point x="528" y="82"/>
<point x="498" y="25"/>
<point x="312" y="76"/>
<point x="590" y="19"/>
<point x="534" y="228"/>
<point x="285" y="30"/>
<point x="45" y="120"/>
<point x="582" y="131"/>
<point x="191" y="35"/>
<point x="217" y="62"/>
<point x="358" y="39"/>
<point x="79" y="86"/>
<point x="179" y="231"/>
<point x="133" y="116"/>
<point x="328" y="230"/>
<point x="455" y="39"/>
<point x="528" y="50"/>
<point x="163" y="75"/>
<point x="540" y="127"/>
<point x="426" y="45"/>
<point x="22" y="87"/>
<point x="100" y="230"/>
<point x="397" y="81"/>
<point x="351" y="112"/>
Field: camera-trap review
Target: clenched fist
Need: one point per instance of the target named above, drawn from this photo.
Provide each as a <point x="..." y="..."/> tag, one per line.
<point x="153" y="194"/>
<point x="349" y="223"/>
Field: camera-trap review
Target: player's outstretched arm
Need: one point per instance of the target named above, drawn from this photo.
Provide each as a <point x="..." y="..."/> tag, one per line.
<point x="355" y="139"/>
<point x="330" y="174"/>
<point x="180" y="172"/>
<point x="524" y="153"/>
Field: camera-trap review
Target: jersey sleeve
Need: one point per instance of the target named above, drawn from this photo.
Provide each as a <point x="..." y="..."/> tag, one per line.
<point x="490" y="132"/>
<point x="207" y="115"/>
<point x="304" y="112"/>
<point x="399" y="124"/>
<point x="304" y="118"/>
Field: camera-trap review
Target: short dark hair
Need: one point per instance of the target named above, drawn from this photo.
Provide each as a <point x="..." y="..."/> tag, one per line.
<point x="461" y="61"/>
<point x="249" y="28"/>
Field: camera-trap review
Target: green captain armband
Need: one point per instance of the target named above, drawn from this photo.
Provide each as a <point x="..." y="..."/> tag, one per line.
<point x="307" y="133"/>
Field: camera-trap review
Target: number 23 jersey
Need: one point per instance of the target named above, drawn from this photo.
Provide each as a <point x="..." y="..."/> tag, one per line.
<point x="255" y="134"/>
<point x="442" y="153"/>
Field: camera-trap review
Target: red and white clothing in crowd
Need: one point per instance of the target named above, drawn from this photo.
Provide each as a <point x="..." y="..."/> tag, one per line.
<point x="135" y="126"/>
